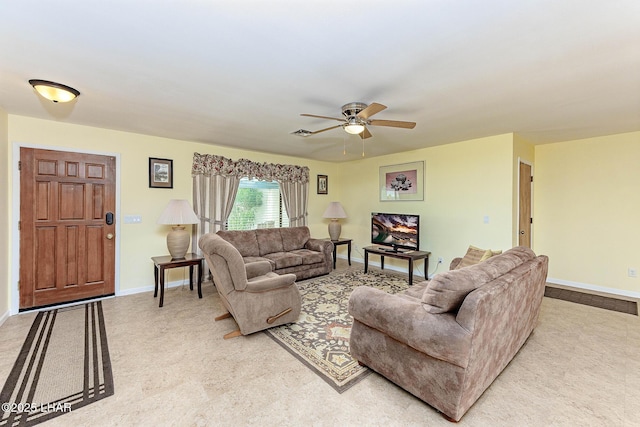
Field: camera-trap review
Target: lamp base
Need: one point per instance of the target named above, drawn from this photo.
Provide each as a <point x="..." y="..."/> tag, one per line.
<point x="334" y="229"/>
<point x="178" y="241"/>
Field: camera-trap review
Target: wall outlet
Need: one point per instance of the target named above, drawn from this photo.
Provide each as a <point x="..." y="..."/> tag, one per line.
<point x="440" y="260"/>
<point x="632" y="272"/>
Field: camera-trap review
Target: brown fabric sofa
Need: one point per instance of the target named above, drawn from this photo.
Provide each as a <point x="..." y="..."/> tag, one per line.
<point x="288" y="250"/>
<point x="447" y="339"/>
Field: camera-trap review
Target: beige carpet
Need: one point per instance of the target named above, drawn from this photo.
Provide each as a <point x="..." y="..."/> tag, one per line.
<point x="320" y="337"/>
<point x="63" y="365"/>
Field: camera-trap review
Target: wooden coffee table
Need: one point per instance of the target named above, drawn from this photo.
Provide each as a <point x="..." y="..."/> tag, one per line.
<point x="405" y="254"/>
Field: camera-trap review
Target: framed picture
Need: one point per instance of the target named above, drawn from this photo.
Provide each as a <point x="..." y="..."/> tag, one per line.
<point x="323" y="184"/>
<point x="160" y="173"/>
<point x="402" y="182"/>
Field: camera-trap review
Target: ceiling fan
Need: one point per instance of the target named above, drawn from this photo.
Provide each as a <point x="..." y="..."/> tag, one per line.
<point x="356" y="119"/>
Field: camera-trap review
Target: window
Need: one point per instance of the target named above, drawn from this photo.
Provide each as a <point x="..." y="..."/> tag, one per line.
<point x="258" y="204"/>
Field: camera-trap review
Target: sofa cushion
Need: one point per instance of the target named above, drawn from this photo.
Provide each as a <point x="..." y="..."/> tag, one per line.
<point x="294" y="238"/>
<point x="284" y="259"/>
<point x="244" y="241"/>
<point x="309" y="257"/>
<point x="252" y="259"/>
<point x="446" y="291"/>
<point x="269" y="241"/>
<point x="474" y="256"/>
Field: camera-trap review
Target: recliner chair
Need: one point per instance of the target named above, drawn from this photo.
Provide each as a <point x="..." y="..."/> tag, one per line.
<point x="256" y="297"/>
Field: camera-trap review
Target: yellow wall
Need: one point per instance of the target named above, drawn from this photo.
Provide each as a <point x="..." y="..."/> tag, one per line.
<point x="586" y="207"/>
<point x="5" y="208"/>
<point x="464" y="182"/>
<point x="139" y="242"/>
<point x="585" y="199"/>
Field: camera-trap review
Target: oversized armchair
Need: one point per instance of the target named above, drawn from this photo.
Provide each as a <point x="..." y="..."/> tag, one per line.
<point x="256" y="297"/>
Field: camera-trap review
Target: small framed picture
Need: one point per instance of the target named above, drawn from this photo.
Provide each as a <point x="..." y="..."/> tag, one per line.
<point x="160" y="173"/>
<point x="323" y="184"/>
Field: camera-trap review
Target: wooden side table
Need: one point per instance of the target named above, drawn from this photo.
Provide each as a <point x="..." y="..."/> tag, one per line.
<point x="162" y="263"/>
<point x="336" y="243"/>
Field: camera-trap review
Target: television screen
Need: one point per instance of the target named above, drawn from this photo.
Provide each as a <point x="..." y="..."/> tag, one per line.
<point x="395" y="230"/>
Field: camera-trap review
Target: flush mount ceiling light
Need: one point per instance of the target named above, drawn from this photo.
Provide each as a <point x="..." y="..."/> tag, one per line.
<point x="55" y="92"/>
<point x="354" y="127"/>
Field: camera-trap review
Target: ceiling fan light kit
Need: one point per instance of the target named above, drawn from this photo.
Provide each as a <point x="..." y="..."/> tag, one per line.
<point x="356" y="119"/>
<point x="56" y="92"/>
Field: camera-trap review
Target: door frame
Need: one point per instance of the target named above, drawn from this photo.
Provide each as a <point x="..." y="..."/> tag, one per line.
<point x="14" y="288"/>
<point x="526" y="162"/>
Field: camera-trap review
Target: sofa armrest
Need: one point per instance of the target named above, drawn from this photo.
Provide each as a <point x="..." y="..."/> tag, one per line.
<point x="258" y="268"/>
<point x="270" y="281"/>
<point x="403" y="319"/>
<point x="319" y="245"/>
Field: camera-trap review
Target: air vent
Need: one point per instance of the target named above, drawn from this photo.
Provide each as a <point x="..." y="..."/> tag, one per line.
<point x="302" y="132"/>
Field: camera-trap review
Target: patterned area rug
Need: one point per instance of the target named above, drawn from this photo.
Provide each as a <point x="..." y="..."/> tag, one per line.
<point x="63" y="365"/>
<point x="320" y="338"/>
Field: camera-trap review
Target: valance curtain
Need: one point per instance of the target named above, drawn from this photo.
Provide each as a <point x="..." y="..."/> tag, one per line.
<point x="215" y="185"/>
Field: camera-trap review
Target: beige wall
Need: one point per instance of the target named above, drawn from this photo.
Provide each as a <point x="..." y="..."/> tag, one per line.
<point x="586" y="207"/>
<point x="585" y="199"/>
<point x="5" y="209"/>
<point x="464" y="183"/>
<point x="139" y="242"/>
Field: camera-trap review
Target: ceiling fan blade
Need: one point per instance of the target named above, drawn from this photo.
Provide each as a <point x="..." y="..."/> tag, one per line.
<point x="365" y="134"/>
<point x="392" y="123"/>
<point x="322" y="130"/>
<point x="322" y="117"/>
<point x="372" y="109"/>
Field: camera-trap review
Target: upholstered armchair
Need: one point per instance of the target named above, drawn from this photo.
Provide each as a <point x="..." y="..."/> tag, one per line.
<point x="256" y="297"/>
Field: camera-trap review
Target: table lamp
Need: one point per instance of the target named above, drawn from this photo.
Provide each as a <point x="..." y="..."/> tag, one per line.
<point x="334" y="211"/>
<point x="178" y="212"/>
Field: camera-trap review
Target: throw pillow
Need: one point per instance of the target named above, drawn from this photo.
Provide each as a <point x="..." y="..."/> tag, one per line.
<point x="474" y="256"/>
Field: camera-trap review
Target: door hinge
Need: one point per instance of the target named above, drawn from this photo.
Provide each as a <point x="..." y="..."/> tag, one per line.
<point x="531" y="178"/>
<point x="530" y="220"/>
<point x="19" y="165"/>
<point x="19" y="224"/>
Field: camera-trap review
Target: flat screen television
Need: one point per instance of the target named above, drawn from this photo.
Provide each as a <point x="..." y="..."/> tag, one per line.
<point x="399" y="231"/>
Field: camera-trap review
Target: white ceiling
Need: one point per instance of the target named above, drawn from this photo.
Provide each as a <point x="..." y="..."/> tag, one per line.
<point x="239" y="73"/>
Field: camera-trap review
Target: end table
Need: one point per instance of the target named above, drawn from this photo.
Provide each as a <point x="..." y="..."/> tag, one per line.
<point x="336" y="243"/>
<point x="162" y="263"/>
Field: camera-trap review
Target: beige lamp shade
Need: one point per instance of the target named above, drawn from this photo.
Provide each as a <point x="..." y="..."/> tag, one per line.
<point x="334" y="212"/>
<point x="177" y="213"/>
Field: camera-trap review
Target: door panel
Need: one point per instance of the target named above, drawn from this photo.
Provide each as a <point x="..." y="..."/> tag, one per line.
<point x="65" y="254"/>
<point x="524" y="221"/>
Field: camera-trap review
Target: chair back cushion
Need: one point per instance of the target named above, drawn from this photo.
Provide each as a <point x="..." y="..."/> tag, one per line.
<point x="226" y="262"/>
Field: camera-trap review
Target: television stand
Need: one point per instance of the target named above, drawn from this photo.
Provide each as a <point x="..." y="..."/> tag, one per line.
<point x="409" y="255"/>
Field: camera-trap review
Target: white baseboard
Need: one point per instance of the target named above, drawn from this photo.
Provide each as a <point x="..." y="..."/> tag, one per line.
<point x="4" y="317"/>
<point x="593" y="288"/>
<point x="150" y="288"/>
<point x="550" y="280"/>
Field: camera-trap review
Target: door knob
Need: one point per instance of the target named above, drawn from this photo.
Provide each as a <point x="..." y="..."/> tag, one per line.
<point x="521" y="231"/>
<point x="110" y="236"/>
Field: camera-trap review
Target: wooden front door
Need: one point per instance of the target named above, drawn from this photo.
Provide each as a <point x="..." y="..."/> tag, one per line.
<point x="67" y="226"/>
<point x="524" y="220"/>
